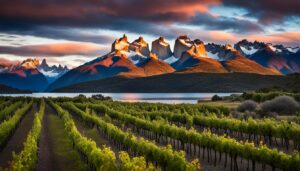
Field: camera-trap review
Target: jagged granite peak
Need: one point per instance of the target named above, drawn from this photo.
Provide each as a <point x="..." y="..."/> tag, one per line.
<point x="44" y="63"/>
<point x="140" y="45"/>
<point x="30" y="63"/>
<point x="120" y="44"/>
<point x="220" y="52"/>
<point x="52" y="72"/>
<point x="199" y="49"/>
<point x="45" y="66"/>
<point x="182" y="44"/>
<point x="161" y="48"/>
<point x="248" y="48"/>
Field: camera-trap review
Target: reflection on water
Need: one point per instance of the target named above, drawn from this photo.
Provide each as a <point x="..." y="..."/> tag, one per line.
<point x="137" y="97"/>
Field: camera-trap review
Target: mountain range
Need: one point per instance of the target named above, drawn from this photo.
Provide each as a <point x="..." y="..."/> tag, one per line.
<point x="30" y="74"/>
<point x="135" y="59"/>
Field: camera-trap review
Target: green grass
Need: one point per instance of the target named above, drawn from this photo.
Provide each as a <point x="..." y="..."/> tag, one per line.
<point x="228" y="104"/>
<point x="62" y="146"/>
<point x="91" y="133"/>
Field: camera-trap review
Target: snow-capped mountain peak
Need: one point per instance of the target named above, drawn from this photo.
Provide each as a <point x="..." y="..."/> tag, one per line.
<point x="134" y="56"/>
<point x="251" y="50"/>
<point x="30" y="63"/>
<point x="247" y="48"/>
<point x="220" y="52"/>
<point x="293" y="49"/>
<point x="51" y="72"/>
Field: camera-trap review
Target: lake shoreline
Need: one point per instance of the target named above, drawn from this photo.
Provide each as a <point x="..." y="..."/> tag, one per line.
<point x="137" y="97"/>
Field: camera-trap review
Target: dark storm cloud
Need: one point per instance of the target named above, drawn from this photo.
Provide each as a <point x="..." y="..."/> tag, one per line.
<point x="225" y="23"/>
<point x="54" y="18"/>
<point x="136" y="16"/>
<point x="92" y="12"/>
<point x="268" y="11"/>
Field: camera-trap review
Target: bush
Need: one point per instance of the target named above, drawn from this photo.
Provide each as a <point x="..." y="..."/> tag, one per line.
<point x="101" y="97"/>
<point x="216" y="98"/>
<point x="281" y="105"/>
<point x="248" y="105"/>
<point x="246" y="115"/>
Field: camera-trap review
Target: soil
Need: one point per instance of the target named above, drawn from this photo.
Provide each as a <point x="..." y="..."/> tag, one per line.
<point x="56" y="151"/>
<point x="15" y="143"/>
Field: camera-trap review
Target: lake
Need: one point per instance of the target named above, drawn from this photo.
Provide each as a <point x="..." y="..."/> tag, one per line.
<point x="172" y="98"/>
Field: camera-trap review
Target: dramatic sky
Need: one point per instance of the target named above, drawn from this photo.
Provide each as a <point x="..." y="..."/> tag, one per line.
<point x="75" y="31"/>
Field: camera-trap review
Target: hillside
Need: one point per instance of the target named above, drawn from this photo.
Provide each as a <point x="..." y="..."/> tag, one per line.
<point x="184" y="82"/>
<point x="9" y="90"/>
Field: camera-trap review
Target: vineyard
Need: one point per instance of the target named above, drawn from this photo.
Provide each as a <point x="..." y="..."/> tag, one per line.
<point x="89" y="134"/>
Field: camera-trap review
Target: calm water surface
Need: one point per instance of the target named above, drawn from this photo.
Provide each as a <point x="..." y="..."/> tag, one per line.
<point x="137" y="97"/>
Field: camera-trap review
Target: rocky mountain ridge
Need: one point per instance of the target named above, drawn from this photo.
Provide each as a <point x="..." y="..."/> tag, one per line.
<point x="135" y="59"/>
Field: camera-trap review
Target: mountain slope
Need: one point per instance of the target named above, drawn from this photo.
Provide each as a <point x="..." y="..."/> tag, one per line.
<point x="110" y="65"/>
<point x="9" y="90"/>
<point x="190" y="63"/>
<point x="242" y="64"/>
<point x="284" y="59"/>
<point x="153" y="66"/>
<point x="24" y="79"/>
<point x="267" y="57"/>
<point x="195" y="60"/>
<point x="233" y="61"/>
<point x="184" y="83"/>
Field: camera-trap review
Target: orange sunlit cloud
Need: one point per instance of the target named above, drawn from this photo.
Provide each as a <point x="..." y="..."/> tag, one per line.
<point x="286" y="38"/>
<point x="57" y="49"/>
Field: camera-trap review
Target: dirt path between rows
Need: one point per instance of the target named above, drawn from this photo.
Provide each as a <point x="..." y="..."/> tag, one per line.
<point x="55" y="148"/>
<point x="93" y="134"/>
<point x="15" y="143"/>
<point x="46" y="157"/>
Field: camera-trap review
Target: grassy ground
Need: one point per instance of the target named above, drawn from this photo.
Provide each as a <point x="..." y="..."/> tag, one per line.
<point x="91" y="133"/>
<point x="56" y="149"/>
<point x="228" y="104"/>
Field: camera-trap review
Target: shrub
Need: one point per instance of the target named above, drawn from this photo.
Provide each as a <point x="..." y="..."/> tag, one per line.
<point x="216" y="98"/>
<point x="248" y="105"/>
<point x="246" y="115"/>
<point x="249" y="114"/>
<point x="281" y="105"/>
<point x="101" y="97"/>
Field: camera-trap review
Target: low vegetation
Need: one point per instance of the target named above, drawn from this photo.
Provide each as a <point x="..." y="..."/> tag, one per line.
<point x="248" y="105"/>
<point x="281" y="105"/>
<point x="155" y="136"/>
